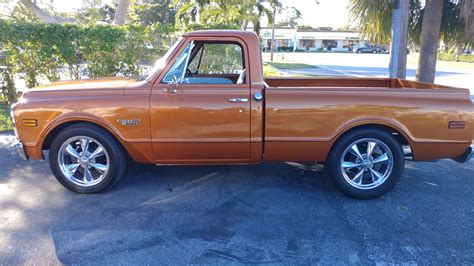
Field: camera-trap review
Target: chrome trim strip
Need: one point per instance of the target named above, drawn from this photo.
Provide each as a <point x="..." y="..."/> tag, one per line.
<point x="238" y="100"/>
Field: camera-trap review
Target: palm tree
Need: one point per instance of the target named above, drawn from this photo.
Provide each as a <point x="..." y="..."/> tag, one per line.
<point x="467" y="14"/>
<point x="189" y="11"/>
<point x="121" y="12"/>
<point x="454" y="25"/>
<point x="44" y="16"/>
<point x="373" y="19"/>
<point x="227" y="13"/>
<point x="254" y="11"/>
<point x="429" y="40"/>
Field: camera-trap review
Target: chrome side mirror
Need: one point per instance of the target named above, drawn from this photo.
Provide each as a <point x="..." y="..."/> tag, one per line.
<point x="175" y="81"/>
<point x="173" y="84"/>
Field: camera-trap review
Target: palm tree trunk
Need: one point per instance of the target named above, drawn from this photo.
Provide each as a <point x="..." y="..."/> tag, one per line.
<point x="467" y="13"/>
<point x="429" y="40"/>
<point x="244" y="24"/>
<point x="121" y="12"/>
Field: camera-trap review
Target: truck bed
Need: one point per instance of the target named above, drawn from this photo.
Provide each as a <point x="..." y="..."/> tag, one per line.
<point x="351" y="82"/>
<point x="305" y="116"/>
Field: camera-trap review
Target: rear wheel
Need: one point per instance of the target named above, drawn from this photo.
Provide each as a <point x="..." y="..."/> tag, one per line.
<point x="86" y="159"/>
<point x="366" y="163"/>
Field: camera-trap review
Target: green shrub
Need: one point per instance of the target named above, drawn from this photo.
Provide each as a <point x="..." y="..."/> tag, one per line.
<point x="5" y="121"/>
<point x="452" y="57"/>
<point x="37" y="50"/>
<point x="285" y="49"/>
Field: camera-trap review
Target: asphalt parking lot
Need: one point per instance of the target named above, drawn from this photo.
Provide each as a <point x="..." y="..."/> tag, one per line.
<point x="270" y="213"/>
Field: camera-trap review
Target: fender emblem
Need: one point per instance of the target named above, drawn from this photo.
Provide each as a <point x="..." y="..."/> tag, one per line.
<point x="456" y="125"/>
<point x="129" y="122"/>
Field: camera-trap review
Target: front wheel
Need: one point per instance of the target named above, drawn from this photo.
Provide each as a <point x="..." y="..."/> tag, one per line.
<point x="86" y="159"/>
<point x="366" y="163"/>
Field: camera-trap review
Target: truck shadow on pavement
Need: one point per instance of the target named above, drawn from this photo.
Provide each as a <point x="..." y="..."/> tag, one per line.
<point x="274" y="212"/>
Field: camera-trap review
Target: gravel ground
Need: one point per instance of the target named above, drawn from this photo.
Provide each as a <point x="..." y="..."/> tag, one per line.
<point x="269" y="213"/>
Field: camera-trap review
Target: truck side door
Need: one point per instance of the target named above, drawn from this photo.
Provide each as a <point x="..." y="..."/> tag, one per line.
<point x="200" y="109"/>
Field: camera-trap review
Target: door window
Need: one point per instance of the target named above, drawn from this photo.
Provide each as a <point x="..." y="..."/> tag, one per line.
<point x="210" y="63"/>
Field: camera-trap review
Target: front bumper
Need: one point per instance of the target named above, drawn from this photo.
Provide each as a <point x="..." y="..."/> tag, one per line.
<point x="19" y="148"/>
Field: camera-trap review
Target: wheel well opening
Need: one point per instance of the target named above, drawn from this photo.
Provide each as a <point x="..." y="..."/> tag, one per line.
<point x="52" y="135"/>
<point x="399" y="137"/>
<point x="392" y="131"/>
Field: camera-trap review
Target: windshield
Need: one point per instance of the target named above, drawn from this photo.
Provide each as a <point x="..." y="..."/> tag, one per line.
<point x="160" y="63"/>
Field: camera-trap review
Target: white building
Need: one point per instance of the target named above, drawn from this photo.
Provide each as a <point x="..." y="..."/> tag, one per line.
<point x="289" y="39"/>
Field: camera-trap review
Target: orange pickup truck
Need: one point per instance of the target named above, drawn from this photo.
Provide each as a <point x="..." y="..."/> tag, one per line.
<point x="207" y="102"/>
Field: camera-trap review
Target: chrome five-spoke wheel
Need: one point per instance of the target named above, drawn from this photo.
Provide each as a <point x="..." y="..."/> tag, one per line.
<point x="366" y="163"/>
<point x="83" y="161"/>
<point x="86" y="158"/>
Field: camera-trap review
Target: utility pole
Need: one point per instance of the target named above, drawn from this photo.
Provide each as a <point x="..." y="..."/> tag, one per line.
<point x="272" y="45"/>
<point x="398" y="46"/>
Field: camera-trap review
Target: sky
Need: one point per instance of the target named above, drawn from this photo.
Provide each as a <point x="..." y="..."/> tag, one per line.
<point x="328" y="13"/>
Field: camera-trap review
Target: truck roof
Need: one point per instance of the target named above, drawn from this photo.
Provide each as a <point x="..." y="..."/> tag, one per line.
<point x="222" y="33"/>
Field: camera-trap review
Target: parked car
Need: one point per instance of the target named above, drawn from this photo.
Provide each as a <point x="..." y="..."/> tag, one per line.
<point x="369" y="49"/>
<point x="388" y="51"/>
<point x="215" y="107"/>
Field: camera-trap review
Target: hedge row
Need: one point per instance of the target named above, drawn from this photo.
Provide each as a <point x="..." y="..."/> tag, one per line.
<point x="452" y="57"/>
<point x="36" y="50"/>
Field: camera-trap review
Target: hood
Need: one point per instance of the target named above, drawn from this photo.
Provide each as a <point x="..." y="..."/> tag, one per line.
<point x="86" y="84"/>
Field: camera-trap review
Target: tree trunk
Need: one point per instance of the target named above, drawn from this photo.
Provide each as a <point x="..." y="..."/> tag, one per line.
<point x="429" y="40"/>
<point x="9" y="91"/>
<point x="244" y="24"/>
<point x="121" y="12"/>
<point x="457" y="52"/>
<point x="399" y="40"/>
<point x="467" y="13"/>
<point x="43" y="16"/>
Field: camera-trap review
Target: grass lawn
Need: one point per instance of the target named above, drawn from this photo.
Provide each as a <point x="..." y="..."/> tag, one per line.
<point x="5" y="121"/>
<point x="270" y="71"/>
<point x="282" y="65"/>
<point x="412" y="59"/>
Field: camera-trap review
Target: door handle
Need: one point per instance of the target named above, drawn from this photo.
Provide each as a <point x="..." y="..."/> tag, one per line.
<point x="238" y="100"/>
<point x="170" y="90"/>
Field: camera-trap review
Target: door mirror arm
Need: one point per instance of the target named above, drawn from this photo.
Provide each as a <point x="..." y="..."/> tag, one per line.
<point x="173" y="85"/>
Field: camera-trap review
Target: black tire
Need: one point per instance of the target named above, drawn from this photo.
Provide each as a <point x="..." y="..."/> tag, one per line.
<point x="116" y="155"/>
<point x="333" y="165"/>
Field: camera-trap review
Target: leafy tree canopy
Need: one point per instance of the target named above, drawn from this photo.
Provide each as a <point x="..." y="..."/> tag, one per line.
<point x="374" y="20"/>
